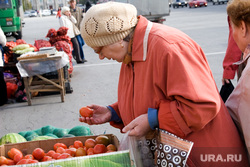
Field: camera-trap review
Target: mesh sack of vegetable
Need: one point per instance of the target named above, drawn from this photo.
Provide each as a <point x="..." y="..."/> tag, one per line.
<point x="51" y="33"/>
<point x="41" y="43"/>
<point x="62" y="31"/>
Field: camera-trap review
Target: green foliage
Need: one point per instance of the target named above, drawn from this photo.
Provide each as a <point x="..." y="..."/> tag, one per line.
<point x="26" y="5"/>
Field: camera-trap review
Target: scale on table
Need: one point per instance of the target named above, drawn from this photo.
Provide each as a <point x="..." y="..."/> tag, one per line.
<point x="47" y="50"/>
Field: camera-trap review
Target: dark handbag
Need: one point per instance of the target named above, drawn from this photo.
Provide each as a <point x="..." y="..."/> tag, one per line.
<point x="226" y="90"/>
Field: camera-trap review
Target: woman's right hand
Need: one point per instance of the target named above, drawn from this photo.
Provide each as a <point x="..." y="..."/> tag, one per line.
<point x="101" y="114"/>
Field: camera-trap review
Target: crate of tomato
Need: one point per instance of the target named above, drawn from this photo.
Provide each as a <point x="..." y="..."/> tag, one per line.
<point x="100" y="150"/>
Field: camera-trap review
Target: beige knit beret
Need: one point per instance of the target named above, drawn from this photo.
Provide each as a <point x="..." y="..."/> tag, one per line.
<point x="107" y="23"/>
<point x="64" y="9"/>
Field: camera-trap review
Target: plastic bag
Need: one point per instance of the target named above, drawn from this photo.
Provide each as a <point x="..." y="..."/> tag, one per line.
<point x="159" y="148"/>
<point x="140" y="153"/>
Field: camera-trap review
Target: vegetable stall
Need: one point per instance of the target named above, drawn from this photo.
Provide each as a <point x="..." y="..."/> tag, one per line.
<point x="18" y="51"/>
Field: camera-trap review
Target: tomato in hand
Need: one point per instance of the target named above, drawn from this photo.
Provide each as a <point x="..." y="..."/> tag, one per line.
<point x="38" y="153"/>
<point x="86" y="112"/>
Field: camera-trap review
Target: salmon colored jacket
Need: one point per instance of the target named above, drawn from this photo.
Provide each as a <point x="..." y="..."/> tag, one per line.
<point x="175" y="79"/>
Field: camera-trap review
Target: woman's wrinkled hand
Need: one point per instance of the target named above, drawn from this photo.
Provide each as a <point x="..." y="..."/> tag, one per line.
<point x="139" y="127"/>
<point x="101" y="114"/>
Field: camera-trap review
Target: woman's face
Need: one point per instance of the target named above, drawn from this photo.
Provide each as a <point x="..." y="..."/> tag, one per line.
<point x="67" y="13"/>
<point x="116" y="51"/>
<point x="241" y="35"/>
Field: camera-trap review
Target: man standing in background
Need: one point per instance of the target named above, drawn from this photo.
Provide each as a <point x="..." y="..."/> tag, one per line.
<point x="78" y="15"/>
<point x="76" y="12"/>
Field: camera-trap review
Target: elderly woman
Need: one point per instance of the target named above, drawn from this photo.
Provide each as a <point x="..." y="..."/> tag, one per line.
<point x="165" y="82"/>
<point x="238" y="103"/>
<point x="67" y="20"/>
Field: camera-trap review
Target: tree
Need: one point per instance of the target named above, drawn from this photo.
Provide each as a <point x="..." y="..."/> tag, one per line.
<point x="26" y="5"/>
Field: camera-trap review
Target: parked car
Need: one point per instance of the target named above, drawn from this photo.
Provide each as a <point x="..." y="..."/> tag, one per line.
<point x="26" y="14"/>
<point x="219" y="2"/>
<point x="54" y="11"/>
<point x="197" y="3"/>
<point x="33" y="13"/>
<point x="46" y="12"/>
<point x="179" y="3"/>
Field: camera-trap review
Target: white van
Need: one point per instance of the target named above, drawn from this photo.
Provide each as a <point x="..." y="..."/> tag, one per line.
<point x="219" y="2"/>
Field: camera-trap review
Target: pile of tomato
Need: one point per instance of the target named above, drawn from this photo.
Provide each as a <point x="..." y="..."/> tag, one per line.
<point x="101" y="144"/>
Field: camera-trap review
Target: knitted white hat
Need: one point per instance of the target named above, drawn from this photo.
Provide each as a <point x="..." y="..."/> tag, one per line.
<point x="64" y="9"/>
<point x="107" y="23"/>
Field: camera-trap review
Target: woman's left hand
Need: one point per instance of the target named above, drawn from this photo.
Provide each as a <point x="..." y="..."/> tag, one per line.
<point x="138" y="127"/>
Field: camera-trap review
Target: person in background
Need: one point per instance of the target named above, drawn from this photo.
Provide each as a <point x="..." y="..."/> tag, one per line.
<point x="78" y="14"/>
<point x="238" y="103"/>
<point x="58" y="15"/>
<point x="3" y="89"/>
<point x="67" y="20"/>
<point x="87" y="6"/>
<point x="233" y="54"/>
<point x="165" y="82"/>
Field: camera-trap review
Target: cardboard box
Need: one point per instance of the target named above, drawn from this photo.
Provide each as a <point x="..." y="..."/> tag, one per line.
<point x="112" y="159"/>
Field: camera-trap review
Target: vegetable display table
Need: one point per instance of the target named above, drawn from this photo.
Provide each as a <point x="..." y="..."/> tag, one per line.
<point x="32" y="69"/>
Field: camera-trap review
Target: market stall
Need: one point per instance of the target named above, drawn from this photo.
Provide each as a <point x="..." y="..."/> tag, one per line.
<point x="55" y="78"/>
<point x="32" y="66"/>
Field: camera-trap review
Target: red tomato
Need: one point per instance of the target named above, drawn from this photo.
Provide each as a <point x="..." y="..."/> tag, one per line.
<point x="60" y="145"/>
<point x="80" y="152"/>
<point x="12" y="152"/>
<point x="60" y="150"/>
<point x="28" y="156"/>
<point x="23" y="161"/>
<point x="111" y="147"/>
<point x="86" y="112"/>
<point x="90" y="143"/>
<point x="90" y="151"/>
<point x="32" y="161"/>
<point x="46" y="158"/>
<point x="18" y="157"/>
<point x="3" y="160"/>
<point x="38" y="153"/>
<point x="78" y="144"/>
<point x="50" y="153"/>
<point x="71" y="146"/>
<point x="71" y="151"/>
<point x="64" y="156"/>
<point x="100" y="148"/>
<point x="56" y="155"/>
<point x="10" y="162"/>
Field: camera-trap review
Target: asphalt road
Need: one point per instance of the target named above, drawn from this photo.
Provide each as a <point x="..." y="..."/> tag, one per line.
<point x="95" y="82"/>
